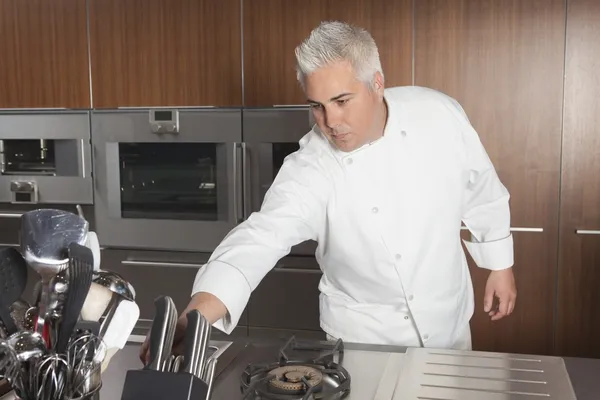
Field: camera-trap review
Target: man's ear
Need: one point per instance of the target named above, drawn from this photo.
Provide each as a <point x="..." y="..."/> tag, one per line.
<point x="378" y="83"/>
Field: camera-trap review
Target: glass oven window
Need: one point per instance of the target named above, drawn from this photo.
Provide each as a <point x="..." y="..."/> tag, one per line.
<point x="169" y="181"/>
<point x="280" y="152"/>
<point x="27" y="157"/>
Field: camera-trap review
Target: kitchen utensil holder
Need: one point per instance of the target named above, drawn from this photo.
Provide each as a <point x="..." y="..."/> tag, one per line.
<point x="146" y="384"/>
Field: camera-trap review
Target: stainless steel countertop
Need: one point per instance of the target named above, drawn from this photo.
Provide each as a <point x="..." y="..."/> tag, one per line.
<point x="365" y="363"/>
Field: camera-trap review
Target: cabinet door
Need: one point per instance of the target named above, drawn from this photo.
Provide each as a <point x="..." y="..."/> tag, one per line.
<point x="503" y="61"/>
<point x="288" y="297"/>
<point x="529" y="330"/>
<point x="44" y="54"/>
<point x="273" y="29"/>
<point x="166" y="53"/>
<point x="578" y="325"/>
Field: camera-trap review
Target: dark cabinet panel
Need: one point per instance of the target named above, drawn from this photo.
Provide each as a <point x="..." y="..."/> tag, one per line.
<point x="504" y="61"/>
<point x="529" y="330"/>
<point x="287" y="298"/>
<point x="155" y="273"/>
<point x="578" y="323"/>
<point x="44" y="54"/>
<point x="273" y="28"/>
<point x="166" y="53"/>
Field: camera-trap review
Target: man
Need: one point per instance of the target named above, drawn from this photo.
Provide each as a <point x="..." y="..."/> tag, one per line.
<point x="382" y="183"/>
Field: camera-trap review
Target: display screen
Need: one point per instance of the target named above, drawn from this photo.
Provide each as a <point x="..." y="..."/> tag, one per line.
<point x="163" y="115"/>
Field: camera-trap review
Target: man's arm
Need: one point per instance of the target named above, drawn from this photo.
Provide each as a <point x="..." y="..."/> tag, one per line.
<point x="293" y="211"/>
<point x="486" y="213"/>
<point x="486" y="210"/>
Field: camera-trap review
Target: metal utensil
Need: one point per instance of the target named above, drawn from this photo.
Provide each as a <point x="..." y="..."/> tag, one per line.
<point x="121" y="290"/>
<point x="18" y="311"/>
<point x="159" y="333"/>
<point x="13" y="279"/>
<point x="45" y="237"/>
<point x="192" y="342"/>
<point x="204" y="338"/>
<point x="209" y="376"/>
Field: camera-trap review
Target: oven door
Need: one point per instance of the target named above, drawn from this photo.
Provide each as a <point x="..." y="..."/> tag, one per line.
<point x="167" y="191"/>
<point x="45" y="158"/>
<point x="269" y="136"/>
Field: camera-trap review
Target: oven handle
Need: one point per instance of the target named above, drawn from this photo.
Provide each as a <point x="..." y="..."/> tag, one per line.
<point x="11" y="215"/>
<point x="238" y="182"/>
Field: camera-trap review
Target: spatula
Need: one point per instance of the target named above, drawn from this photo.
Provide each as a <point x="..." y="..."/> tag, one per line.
<point x="81" y="269"/>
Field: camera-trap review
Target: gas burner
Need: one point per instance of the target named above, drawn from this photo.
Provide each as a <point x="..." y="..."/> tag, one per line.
<point x="295" y="378"/>
<point x="314" y="379"/>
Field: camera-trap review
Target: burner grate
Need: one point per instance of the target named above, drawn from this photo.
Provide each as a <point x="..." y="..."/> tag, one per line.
<point x="319" y="378"/>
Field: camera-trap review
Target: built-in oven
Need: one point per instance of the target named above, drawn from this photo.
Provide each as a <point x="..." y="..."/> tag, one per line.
<point x="270" y="135"/>
<point x="45" y="158"/>
<point x="167" y="179"/>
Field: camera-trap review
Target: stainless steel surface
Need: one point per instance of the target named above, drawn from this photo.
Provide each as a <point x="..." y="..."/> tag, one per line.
<point x="158" y="357"/>
<point x="194" y="333"/>
<point x="110" y="130"/>
<point x="203" y="347"/>
<point x="115" y="283"/>
<point x="449" y="374"/>
<point x="70" y="133"/>
<point x="164" y="121"/>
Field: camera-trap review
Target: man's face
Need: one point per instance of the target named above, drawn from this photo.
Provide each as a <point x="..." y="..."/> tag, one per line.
<point x="345" y="109"/>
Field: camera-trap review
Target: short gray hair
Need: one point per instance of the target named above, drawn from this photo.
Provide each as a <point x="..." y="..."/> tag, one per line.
<point x="334" y="41"/>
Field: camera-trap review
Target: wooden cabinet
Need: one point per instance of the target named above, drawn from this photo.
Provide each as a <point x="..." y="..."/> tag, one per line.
<point x="166" y="53"/>
<point x="503" y="61"/>
<point x="578" y="314"/>
<point x="44" y="54"/>
<point x="273" y="29"/>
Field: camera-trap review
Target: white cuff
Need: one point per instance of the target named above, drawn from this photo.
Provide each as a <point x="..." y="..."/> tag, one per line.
<point x="229" y="285"/>
<point x="495" y="255"/>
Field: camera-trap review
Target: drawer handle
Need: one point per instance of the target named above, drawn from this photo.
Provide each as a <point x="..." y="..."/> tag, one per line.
<point x="515" y="229"/>
<point x="298" y="270"/>
<point x="11" y="215"/>
<point x="162" y="264"/>
<point x="586" y="232"/>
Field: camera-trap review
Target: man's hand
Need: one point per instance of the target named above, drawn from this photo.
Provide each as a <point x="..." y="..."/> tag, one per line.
<point x="500" y="285"/>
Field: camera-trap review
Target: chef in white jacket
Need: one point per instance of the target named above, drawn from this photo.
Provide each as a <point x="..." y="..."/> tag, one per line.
<point x="382" y="182"/>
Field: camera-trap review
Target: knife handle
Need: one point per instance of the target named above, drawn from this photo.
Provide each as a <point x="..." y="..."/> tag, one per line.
<point x="158" y="333"/>
<point x="192" y="339"/>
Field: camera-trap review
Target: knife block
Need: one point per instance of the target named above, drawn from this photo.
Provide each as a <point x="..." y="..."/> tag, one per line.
<point x="146" y="384"/>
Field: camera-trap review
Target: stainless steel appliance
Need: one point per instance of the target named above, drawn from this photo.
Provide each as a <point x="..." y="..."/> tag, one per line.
<point x="45" y="158"/>
<point x="270" y="135"/>
<point x="167" y="179"/>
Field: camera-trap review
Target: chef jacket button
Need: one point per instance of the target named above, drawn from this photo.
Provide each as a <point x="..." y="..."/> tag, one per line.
<point x="349" y="161"/>
<point x="403" y="133"/>
<point x="425" y="336"/>
<point x="398" y="256"/>
<point x="406" y="317"/>
<point x="375" y="210"/>
<point x="410" y="298"/>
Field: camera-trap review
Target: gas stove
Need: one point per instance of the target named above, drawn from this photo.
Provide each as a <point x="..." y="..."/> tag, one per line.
<point x="297" y="374"/>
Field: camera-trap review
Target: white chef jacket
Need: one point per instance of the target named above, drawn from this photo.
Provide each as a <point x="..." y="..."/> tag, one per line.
<point x="387" y="219"/>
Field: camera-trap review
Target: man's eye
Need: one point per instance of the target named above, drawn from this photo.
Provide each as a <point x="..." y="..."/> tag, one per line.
<point x="316" y="106"/>
<point x="341" y="102"/>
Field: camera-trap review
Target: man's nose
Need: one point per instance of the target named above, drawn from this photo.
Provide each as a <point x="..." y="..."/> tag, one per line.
<point x="333" y="118"/>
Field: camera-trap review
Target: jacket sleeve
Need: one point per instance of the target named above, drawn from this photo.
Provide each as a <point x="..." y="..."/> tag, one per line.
<point x="293" y="211"/>
<point x="486" y="210"/>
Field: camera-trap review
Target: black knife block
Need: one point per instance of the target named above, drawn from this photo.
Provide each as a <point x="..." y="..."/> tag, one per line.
<point x="146" y="384"/>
